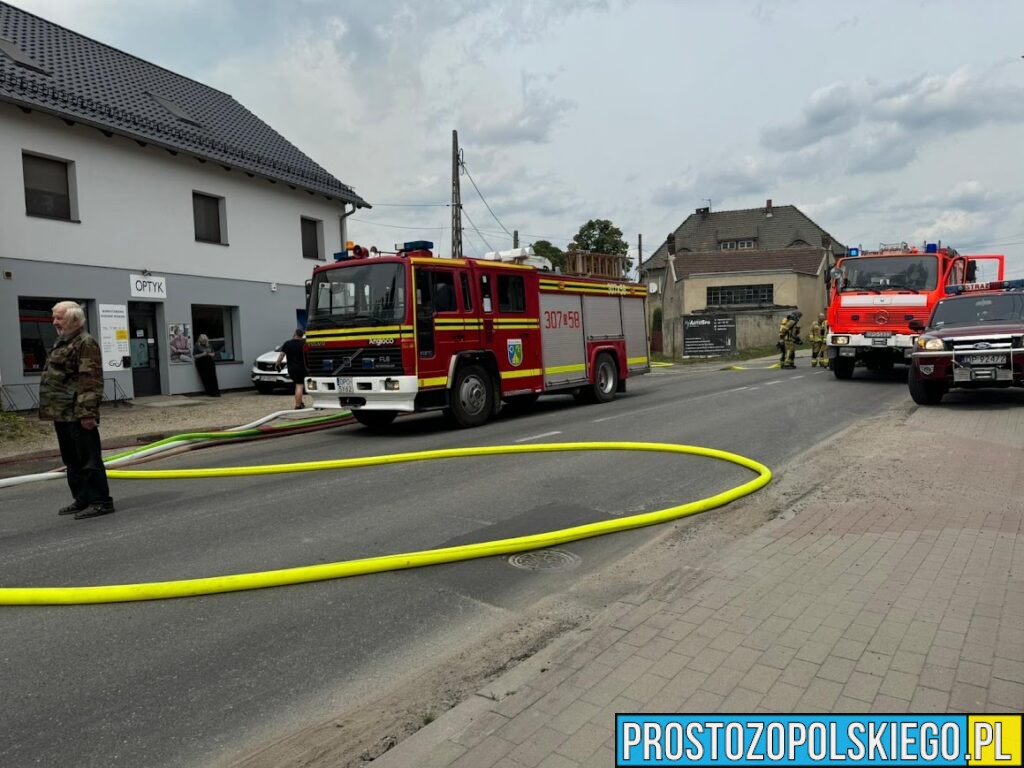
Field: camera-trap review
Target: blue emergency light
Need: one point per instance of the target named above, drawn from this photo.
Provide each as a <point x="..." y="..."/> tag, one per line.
<point x="853" y="252"/>
<point x="418" y="245"/>
<point x="931" y="248"/>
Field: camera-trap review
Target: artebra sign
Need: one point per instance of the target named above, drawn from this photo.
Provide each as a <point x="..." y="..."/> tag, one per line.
<point x="148" y="287"/>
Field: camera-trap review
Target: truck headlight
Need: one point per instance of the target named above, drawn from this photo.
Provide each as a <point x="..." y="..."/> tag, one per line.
<point x="840" y="340"/>
<point x="932" y="345"/>
<point x="310" y="385"/>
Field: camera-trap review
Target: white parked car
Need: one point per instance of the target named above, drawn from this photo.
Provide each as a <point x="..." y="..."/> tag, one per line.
<point x="268" y="375"/>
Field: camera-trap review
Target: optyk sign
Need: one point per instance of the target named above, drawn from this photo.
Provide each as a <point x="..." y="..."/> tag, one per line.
<point x="148" y="287"/>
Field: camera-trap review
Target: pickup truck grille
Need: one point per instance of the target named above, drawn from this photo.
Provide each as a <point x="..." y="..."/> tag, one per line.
<point x="359" y="361"/>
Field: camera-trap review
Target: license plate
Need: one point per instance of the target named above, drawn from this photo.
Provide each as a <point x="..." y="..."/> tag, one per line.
<point x="878" y="334"/>
<point x="345" y="384"/>
<point x="267" y="378"/>
<point x="985" y="359"/>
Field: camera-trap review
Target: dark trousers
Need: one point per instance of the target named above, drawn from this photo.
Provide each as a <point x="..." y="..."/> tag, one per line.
<point x="82" y="455"/>
<point x="207" y="369"/>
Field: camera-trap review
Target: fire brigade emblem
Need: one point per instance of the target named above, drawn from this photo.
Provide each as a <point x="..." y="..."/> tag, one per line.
<point x="515" y="352"/>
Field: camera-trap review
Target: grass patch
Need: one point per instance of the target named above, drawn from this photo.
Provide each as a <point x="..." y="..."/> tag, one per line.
<point x="13" y="426"/>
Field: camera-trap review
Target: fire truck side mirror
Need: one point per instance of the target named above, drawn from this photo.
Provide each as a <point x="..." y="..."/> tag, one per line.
<point x="309" y="290"/>
<point x="917" y="326"/>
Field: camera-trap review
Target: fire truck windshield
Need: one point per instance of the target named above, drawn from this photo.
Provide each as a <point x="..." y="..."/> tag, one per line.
<point x="890" y="273"/>
<point x="368" y="294"/>
<point x="984" y="308"/>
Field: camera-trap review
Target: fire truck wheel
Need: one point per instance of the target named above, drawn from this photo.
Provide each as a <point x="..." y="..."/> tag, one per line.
<point x="842" y="367"/>
<point x="925" y="392"/>
<point x="472" y="397"/>
<point x="374" y="419"/>
<point x="606" y="381"/>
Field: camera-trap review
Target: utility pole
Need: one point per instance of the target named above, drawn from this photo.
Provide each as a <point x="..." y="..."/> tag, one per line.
<point x="515" y="238"/>
<point x="639" y="255"/>
<point x="456" y="200"/>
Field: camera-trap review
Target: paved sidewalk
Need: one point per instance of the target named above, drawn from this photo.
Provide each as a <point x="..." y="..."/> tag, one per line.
<point x="898" y="589"/>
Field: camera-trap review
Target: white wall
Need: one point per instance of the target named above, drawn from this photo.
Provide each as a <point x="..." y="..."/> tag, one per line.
<point x="135" y="207"/>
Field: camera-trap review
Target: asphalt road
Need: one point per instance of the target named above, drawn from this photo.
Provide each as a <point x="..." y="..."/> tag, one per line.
<point x="186" y="682"/>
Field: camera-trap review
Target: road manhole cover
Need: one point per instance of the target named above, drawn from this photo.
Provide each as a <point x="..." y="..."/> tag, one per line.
<point x="545" y="560"/>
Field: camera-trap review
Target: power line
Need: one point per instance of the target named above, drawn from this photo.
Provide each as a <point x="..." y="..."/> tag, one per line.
<point x="411" y="205"/>
<point x="466" y="214"/>
<point x="482" y="197"/>
<point x="393" y="226"/>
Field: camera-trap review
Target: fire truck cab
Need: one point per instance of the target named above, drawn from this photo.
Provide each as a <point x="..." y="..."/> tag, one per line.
<point x="408" y="332"/>
<point x="874" y="297"/>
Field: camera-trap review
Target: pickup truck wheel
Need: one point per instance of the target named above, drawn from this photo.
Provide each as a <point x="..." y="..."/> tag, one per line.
<point x="842" y="367"/>
<point x="374" y="419"/>
<point x="472" y="397"/>
<point x="925" y="392"/>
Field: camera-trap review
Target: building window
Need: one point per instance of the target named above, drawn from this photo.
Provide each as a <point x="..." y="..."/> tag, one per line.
<point x="218" y="323"/>
<point x="312" y="238"/>
<point x="208" y="213"/>
<point x="741" y="295"/>
<point x="511" y="293"/>
<point x="48" y="186"/>
<point x="743" y="245"/>
<point x="37" y="332"/>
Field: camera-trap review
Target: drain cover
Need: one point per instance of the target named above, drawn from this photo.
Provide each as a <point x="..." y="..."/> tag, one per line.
<point x="545" y="560"/>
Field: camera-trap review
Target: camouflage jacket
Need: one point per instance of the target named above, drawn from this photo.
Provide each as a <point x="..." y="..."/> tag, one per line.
<point x="71" y="386"/>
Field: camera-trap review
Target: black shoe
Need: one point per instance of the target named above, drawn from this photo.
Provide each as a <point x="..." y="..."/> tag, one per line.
<point x="95" y="510"/>
<point x="70" y="509"/>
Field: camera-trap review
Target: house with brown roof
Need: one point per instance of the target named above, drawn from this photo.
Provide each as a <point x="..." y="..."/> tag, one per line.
<point x="754" y="265"/>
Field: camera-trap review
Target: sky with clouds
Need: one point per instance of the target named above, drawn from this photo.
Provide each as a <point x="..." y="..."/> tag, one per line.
<point x="884" y="121"/>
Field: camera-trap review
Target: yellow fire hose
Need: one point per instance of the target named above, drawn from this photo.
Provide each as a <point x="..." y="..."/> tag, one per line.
<point x="116" y="593"/>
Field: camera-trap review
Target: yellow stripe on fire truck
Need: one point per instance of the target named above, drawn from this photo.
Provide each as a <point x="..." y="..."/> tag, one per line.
<point x="597" y="289"/>
<point x="386" y="333"/>
<point x="566" y="368"/>
<point x="517" y="374"/>
<point x="635" y="360"/>
<point x="438" y="381"/>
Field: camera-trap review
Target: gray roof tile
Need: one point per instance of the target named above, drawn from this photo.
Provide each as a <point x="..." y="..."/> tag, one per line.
<point x="92" y="83"/>
<point x="807" y="261"/>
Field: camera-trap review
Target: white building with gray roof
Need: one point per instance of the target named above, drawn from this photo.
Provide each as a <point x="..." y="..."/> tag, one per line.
<point x="159" y="203"/>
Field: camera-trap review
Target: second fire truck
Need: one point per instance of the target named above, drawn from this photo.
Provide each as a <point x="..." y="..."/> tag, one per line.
<point x="408" y="332"/>
<point x="875" y="296"/>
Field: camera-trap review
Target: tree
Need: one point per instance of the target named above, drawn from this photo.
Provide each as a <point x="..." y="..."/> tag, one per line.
<point x="552" y="252"/>
<point x="601" y="236"/>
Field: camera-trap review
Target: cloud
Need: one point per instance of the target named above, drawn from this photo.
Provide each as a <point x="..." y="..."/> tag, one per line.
<point x="731" y="178"/>
<point x="884" y="125"/>
<point x="530" y="122"/>
<point x="830" y="111"/>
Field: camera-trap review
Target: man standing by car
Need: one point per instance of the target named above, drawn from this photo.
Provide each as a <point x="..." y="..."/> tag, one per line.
<point x="70" y="391"/>
<point x="291" y="351"/>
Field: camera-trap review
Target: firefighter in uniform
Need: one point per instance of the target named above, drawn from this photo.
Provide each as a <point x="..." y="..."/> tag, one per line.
<point x="819" y="331"/>
<point x="789" y="337"/>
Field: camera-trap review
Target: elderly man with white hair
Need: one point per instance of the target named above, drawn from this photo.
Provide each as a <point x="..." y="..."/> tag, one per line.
<point x="70" y="392"/>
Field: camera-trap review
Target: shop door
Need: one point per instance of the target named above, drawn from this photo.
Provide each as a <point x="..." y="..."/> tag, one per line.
<point x="143" y="339"/>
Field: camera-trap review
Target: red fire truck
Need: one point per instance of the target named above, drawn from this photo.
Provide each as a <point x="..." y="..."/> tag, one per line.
<point x="874" y="296"/>
<point x="408" y="332"/>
